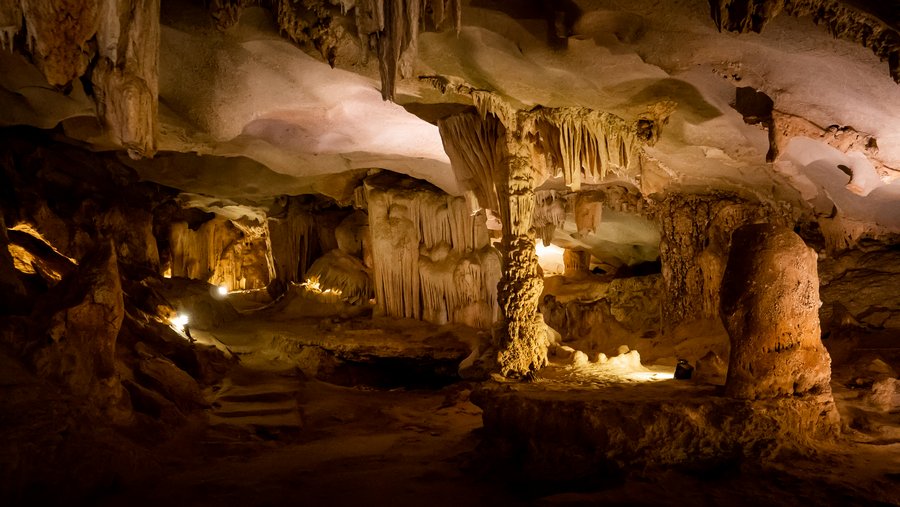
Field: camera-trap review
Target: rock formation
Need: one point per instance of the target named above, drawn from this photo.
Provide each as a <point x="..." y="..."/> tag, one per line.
<point x="432" y="258"/>
<point x="115" y="43"/>
<point x="770" y="306"/>
<point x="85" y="317"/>
<point x="696" y="240"/>
<point x="863" y="25"/>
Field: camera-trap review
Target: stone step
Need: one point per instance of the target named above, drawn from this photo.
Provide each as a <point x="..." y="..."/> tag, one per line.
<point x="256" y="397"/>
<point x="287" y="421"/>
<point x="233" y="411"/>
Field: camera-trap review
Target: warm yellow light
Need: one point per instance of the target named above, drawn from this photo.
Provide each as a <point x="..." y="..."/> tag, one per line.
<point x="222" y="290"/>
<point x="313" y="285"/>
<point x="180" y="320"/>
<point x="22" y="259"/>
<point x="31" y="231"/>
<point x="550" y="258"/>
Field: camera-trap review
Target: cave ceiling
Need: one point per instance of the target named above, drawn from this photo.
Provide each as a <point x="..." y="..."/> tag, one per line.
<point x="256" y="99"/>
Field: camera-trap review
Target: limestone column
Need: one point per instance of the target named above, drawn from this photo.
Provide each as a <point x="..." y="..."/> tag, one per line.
<point x="770" y="307"/>
<point x="521" y="343"/>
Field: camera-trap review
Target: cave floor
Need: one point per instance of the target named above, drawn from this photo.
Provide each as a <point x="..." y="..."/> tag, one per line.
<point x="277" y="435"/>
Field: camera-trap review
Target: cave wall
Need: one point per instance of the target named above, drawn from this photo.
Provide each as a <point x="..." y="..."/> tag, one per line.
<point x="301" y="229"/>
<point x="696" y="237"/>
<point x="222" y="252"/>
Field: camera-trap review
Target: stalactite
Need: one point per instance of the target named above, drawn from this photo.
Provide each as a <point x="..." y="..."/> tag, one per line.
<point x="577" y="262"/>
<point x="197" y="253"/>
<point x="549" y="213"/>
<point x="10" y="23"/>
<point x="395" y="250"/>
<point x="588" y="212"/>
<point x="582" y="144"/>
<point x="227" y="13"/>
<point x="57" y="33"/>
<point x="586" y="144"/>
<point x="125" y="58"/>
<point x="470" y="142"/>
<point x="294" y="243"/>
<point x="840" y="19"/>
<point x="126" y="75"/>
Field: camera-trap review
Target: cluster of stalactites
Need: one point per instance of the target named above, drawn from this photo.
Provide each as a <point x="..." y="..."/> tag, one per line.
<point x="432" y="257"/>
<point x="585" y="145"/>
<point x="391" y="28"/>
<point x="841" y="20"/>
<point x="120" y="39"/>
<point x="550" y="210"/>
<point x="388" y="28"/>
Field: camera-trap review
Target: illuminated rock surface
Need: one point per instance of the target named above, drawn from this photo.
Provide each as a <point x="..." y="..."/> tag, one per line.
<point x="263" y="250"/>
<point x="770" y="307"/>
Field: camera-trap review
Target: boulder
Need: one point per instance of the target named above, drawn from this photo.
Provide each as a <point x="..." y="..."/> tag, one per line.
<point x="769" y="305"/>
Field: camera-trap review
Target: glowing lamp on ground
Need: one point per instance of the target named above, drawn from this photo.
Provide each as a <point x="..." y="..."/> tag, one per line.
<point x="180" y="320"/>
<point x="550" y="258"/>
<point x="222" y="290"/>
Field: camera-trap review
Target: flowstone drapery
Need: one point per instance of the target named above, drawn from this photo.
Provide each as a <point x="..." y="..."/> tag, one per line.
<point x="501" y="155"/>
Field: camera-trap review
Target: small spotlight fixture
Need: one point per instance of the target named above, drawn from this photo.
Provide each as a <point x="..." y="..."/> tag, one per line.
<point x="180" y="320"/>
<point x="222" y="290"/>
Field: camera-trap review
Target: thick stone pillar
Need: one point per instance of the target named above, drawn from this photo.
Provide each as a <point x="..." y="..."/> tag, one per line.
<point x="520" y="337"/>
<point x="770" y="307"/>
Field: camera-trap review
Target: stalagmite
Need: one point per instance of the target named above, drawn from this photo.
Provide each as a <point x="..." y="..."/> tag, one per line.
<point x="343" y="275"/>
<point x="11" y="289"/>
<point x="82" y="328"/>
<point x="770" y="306"/>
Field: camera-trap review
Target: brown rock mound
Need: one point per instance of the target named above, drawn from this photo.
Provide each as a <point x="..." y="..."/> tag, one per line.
<point x="769" y="305"/>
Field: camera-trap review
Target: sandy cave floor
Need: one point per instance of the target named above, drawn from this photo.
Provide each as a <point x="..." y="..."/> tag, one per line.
<point x="277" y="436"/>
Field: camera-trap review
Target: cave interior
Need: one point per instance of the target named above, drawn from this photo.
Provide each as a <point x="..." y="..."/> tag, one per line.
<point x="523" y="252"/>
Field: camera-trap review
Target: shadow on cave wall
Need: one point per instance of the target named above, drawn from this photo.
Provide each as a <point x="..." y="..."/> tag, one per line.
<point x="690" y="101"/>
<point x="561" y="15"/>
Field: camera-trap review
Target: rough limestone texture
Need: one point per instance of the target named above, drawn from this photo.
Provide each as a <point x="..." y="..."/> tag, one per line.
<point x="770" y="307"/>
<point x="586" y="432"/>
<point x="522" y="340"/>
<point x="82" y="331"/>
<point x="696" y="237"/>
<point x="852" y="22"/>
